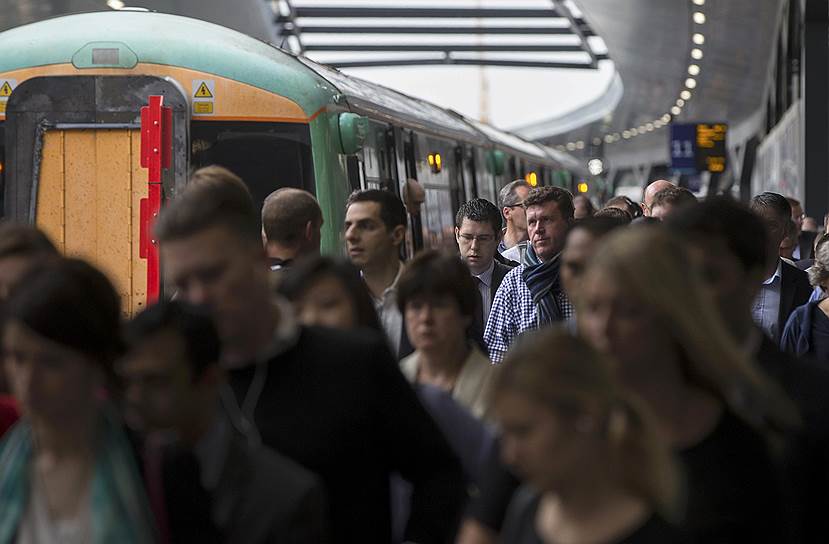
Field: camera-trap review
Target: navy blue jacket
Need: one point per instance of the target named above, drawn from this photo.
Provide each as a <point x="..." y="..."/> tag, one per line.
<point x="797" y="335"/>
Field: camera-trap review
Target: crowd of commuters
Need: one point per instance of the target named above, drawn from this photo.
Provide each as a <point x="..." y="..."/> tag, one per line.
<point x="635" y="373"/>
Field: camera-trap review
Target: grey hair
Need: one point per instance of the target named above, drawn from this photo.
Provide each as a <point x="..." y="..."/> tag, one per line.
<point x="819" y="272"/>
<point x="507" y="196"/>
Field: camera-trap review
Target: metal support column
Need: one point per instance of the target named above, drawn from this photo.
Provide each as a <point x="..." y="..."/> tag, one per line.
<point x="816" y="107"/>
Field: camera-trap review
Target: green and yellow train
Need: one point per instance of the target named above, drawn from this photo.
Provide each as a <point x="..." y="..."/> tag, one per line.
<point x="71" y="90"/>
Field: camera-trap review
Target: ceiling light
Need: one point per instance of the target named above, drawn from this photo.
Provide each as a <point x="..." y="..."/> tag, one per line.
<point x="685" y="95"/>
<point x="608" y="139"/>
<point x="634" y="131"/>
<point x="617" y="137"/>
<point x="699" y="2"/>
<point x="691" y="83"/>
<point x="658" y="123"/>
<point x="641" y="128"/>
<point x="699" y="18"/>
<point x="696" y="53"/>
<point x="649" y="127"/>
<point x="676" y="110"/>
<point x="698" y="38"/>
<point x="693" y="69"/>
<point x="666" y="118"/>
<point x="597" y="141"/>
<point x="579" y="145"/>
<point x="571" y="146"/>
<point x="680" y="102"/>
<point x="115" y="4"/>
<point x="626" y="134"/>
<point x="595" y="166"/>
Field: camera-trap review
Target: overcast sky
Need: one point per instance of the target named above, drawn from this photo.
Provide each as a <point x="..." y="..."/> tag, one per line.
<point x="517" y="96"/>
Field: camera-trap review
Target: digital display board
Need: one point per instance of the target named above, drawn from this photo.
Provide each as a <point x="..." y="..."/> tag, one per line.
<point x="699" y="147"/>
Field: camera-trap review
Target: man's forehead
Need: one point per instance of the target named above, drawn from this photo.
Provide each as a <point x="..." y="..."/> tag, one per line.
<point x="546" y="208"/>
<point x="470" y="225"/>
<point x="363" y="210"/>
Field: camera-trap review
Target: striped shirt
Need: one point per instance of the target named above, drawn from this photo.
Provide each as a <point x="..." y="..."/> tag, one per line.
<point x="513" y="312"/>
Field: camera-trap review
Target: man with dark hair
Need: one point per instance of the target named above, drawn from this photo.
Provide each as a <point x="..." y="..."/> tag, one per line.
<point x="375" y="229"/>
<point x="669" y="199"/>
<point x="805" y="239"/>
<point x="531" y="295"/>
<point x="728" y="244"/>
<point x="477" y="231"/>
<point x="291" y="223"/>
<point x="172" y="383"/>
<point x="786" y="287"/>
<point x="333" y="401"/>
<point x="512" y="197"/>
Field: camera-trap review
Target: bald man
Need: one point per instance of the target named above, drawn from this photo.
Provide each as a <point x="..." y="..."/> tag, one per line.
<point x="291" y="223"/>
<point x="651" y="191"/>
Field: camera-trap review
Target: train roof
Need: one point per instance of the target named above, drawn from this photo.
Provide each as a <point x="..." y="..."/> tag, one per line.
<point x="164" y="39"/>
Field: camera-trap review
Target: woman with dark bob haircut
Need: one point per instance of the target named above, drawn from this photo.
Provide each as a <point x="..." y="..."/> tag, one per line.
<point x="438" y="300"/>
<point x="67" y="473"/>
<point x="329" y="292"/>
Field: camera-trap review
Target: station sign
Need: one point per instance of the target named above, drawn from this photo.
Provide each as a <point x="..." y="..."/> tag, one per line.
<point x="698" y="147"/>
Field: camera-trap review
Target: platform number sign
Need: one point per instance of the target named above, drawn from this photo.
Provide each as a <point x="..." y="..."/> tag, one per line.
<point x="204" y="96"/>
<point x="698" y="147"/>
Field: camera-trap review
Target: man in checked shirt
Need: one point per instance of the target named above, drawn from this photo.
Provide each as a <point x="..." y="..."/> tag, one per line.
<point x="531" y="294"/>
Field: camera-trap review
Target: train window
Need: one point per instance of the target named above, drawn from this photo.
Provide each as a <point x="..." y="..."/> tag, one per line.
<point x="377" y="159"/>
<point x="443" y="191"/>
<point x="267" y="156"/>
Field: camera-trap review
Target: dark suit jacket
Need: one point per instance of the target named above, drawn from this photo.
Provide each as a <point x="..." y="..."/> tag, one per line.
<point x="806" y="242"/>
<point x="476" y="331"/>
<point x="795" y="290"/>
<point x="263" y="497"/>
<point x="337" y="403"/>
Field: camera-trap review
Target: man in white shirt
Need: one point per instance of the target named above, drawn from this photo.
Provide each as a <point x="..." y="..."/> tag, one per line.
<point x="375" y="228"/>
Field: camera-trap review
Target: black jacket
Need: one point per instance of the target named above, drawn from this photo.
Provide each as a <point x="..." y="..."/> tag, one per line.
<point x="795" y="291"/>
<point x="336" y="403"/>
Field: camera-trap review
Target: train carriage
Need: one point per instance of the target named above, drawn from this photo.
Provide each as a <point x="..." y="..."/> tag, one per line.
<point x="71" y="92"/>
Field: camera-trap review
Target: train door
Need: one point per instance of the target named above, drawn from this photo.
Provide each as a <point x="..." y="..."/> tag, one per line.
<point x="466" y="165"/>
<point x="74" y="170"/>
<point x="415" y="239"/>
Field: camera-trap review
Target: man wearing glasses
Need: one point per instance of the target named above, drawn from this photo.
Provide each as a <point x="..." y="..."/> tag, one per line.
<point x="512" y="198"/>
<point x="478" y="231"/>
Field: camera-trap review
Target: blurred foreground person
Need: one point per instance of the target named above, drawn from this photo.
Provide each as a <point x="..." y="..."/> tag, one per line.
<point x="580" y="246"/>
<point x="727" y="243"/>
<point x="439" y="302"/>
<point x="173" y="383"/>
<point x="624" y="204"/>
<point x="67" y="471"/>
<point x="593" y="465"/>
<point x="669" y="199"/>
<point x="643" y="304"/>
<point x="22" y="248"/>
<point x="650" y="193"/>
<point x="329" y="293"/>
<point x="333" y="401"/>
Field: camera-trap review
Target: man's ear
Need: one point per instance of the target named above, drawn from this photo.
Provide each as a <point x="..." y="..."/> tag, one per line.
<point x="309" y="231"/>
<point x="457" y="234"/>
<point x="398" y="234"/>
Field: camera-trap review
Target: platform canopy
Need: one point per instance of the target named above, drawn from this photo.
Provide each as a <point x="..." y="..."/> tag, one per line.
<point x="390" y="33"/>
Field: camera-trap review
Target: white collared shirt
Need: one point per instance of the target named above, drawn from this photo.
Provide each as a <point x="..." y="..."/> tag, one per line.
<point x="766" y="310"/>
<point x="389" y="314"/>
<point x="485" y="289"/>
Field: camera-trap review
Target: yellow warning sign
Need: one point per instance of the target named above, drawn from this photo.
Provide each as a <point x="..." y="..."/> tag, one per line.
<point x="2" y="107"/>
<point x="202" y="92"/>
<point x="5" y="90"/>
<point x="203" y="107"/>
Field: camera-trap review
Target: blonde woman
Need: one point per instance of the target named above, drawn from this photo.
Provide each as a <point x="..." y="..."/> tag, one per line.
<point x="642" y="303"/>
<point x="593" y="465"/>
<point x="807" y="330"/>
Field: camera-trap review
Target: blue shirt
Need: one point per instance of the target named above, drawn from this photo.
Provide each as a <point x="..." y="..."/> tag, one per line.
<point x="513" y="312"/>
<point x="766" y="310"/>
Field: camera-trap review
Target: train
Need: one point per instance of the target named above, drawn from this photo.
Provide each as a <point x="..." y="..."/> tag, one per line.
<point x="72" y="89"/>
